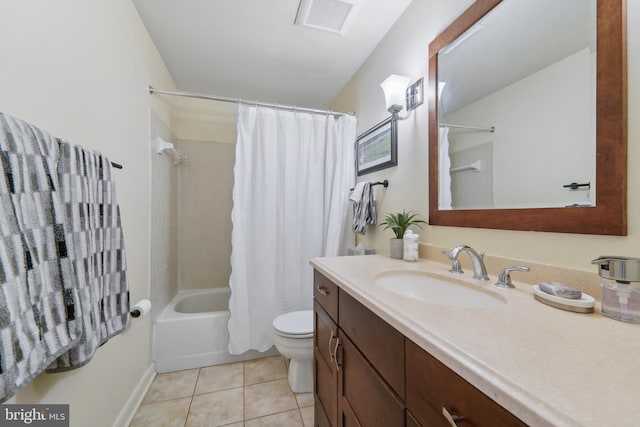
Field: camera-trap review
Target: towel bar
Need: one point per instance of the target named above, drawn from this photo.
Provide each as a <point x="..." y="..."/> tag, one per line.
<point x="384" y="183"/>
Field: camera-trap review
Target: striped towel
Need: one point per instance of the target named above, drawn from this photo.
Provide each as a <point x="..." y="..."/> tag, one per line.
<point x="63" y="282"/>
<point x="364" y="209"/>
<point x="93" y="224"/>
<point x="37" y="290"/>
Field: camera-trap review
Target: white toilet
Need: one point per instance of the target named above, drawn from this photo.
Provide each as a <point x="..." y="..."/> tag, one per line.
<point x="293" y="335"/>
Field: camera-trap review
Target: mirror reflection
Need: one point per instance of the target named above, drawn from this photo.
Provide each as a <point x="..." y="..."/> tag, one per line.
<point x="517" y="108"/>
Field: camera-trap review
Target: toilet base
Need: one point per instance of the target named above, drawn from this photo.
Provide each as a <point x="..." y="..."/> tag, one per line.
<point x="301" y="375"/>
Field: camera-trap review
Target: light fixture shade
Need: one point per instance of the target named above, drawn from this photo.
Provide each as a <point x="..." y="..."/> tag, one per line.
<point x="395" y="92"/>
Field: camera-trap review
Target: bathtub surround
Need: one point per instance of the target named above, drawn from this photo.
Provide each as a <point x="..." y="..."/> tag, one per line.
<point x="204" y="203"/>
<point x="164" y="221"/>
<point x="292" y="174"/>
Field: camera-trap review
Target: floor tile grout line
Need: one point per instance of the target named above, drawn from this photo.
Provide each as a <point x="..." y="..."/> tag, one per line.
<point x="186" y="419"/>
<point x="275" y="413"/>
<point x="244" y="399"/>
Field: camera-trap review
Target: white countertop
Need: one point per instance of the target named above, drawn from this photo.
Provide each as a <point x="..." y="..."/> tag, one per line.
<point x="549" y="367"/>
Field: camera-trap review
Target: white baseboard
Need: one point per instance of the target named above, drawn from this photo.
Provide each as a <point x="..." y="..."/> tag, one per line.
<point x="129" y="411"/>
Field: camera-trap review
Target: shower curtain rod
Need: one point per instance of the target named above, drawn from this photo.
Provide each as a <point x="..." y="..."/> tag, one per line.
<point x="491" y="129"/>
<point x="153" y="90"/>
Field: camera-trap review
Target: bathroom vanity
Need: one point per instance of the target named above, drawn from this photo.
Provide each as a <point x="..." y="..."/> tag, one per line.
<point x="389" y="357"/>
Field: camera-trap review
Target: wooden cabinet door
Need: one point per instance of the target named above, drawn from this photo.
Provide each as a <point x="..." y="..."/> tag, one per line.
<point x="325" y="368"/>
<point x="365" y="399"/>
<point x="432" y="387"/>
<point x="381" y="343"/>
<point x="411" y="420"/>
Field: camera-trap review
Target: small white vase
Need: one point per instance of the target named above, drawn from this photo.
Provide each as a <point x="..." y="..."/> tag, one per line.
<point x="396" y="248"/>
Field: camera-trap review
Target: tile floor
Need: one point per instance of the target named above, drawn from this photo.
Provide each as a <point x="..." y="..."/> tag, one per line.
<point x="250" y="394"/>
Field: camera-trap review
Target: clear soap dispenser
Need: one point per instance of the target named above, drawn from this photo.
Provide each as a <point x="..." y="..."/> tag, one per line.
<point x="620" y="287"/>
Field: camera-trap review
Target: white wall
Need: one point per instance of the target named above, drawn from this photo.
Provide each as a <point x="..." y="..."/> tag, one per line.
<point x="205" y="120"/>
<point x="80" y="70"/>
<point x="405" y="51"/>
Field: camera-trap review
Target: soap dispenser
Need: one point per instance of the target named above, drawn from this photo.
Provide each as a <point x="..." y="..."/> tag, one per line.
<point x="620" y="287"/>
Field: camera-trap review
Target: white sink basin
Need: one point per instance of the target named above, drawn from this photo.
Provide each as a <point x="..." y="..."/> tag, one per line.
<point x="422" y="286"/>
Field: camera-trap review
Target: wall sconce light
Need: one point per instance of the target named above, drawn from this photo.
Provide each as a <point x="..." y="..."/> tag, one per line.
<point x="398" y="96"/>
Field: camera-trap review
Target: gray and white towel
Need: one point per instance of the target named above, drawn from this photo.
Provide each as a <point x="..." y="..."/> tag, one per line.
<point x="37" y="291"/>
<point x="93" y="224"/>
<point x="364" y="207"/>
<point x="63" y="282"/>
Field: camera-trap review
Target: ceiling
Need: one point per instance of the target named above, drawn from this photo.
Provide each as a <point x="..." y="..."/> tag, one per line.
<point x="514" y="40"/>
<point x="251" y="49"/>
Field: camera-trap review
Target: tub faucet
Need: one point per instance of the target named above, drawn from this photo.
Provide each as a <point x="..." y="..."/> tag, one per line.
<point x="479" y="269"/>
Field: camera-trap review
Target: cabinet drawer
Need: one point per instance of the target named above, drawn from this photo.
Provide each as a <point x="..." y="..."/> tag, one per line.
<point x="375" y="338"/>
<point x="365" y="398"/>
<point x="326" y="293"/>
<point x="432" y="386"/>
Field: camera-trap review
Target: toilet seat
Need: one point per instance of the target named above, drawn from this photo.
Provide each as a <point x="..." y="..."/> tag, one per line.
<point x="297" y="324"/>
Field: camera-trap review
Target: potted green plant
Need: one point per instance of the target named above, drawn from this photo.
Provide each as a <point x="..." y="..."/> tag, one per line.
<point x="399" y="223"/>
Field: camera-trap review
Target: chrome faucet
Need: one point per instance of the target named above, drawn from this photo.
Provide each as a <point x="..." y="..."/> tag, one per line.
<point x="504" y="278"/>
<point x="477" y="260"/>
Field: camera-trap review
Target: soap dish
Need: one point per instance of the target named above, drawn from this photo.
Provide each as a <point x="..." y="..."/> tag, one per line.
<point x="583" y="305"/>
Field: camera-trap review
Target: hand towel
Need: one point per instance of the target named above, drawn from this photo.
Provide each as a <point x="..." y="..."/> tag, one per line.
<point x="356" y="194"/>
<point x="364" y="210"/>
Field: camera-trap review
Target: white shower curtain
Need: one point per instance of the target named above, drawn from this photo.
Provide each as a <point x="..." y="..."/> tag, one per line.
<point x="444" y="176"/>
<point x="292" y="174"/>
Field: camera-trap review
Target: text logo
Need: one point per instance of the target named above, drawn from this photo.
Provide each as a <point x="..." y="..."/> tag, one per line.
<point x="34" y="415"/>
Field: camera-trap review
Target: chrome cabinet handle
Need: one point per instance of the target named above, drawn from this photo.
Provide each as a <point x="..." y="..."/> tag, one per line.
<point x="451" y="418"/>
<point x="331" y="355"/>
<point x="323" y="291"/>
<point x="335" y="354"/>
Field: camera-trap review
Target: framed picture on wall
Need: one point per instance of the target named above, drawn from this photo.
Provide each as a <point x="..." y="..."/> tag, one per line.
<point x="377" y="147"/>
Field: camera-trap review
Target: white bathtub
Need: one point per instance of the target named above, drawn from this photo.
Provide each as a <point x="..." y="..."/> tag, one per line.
<point x="191" y="332"/>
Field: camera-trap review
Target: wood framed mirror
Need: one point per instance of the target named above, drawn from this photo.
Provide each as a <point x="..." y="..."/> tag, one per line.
<point x="608" y="214"/>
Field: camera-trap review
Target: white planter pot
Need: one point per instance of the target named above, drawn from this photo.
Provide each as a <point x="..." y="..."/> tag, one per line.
<point x="396" y="248"/>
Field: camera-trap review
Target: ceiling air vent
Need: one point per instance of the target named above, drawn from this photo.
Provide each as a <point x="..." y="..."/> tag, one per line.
<point x="328" y="15"/>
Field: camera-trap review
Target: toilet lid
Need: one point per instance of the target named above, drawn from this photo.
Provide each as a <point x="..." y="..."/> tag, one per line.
<point x="296" y="323"/>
